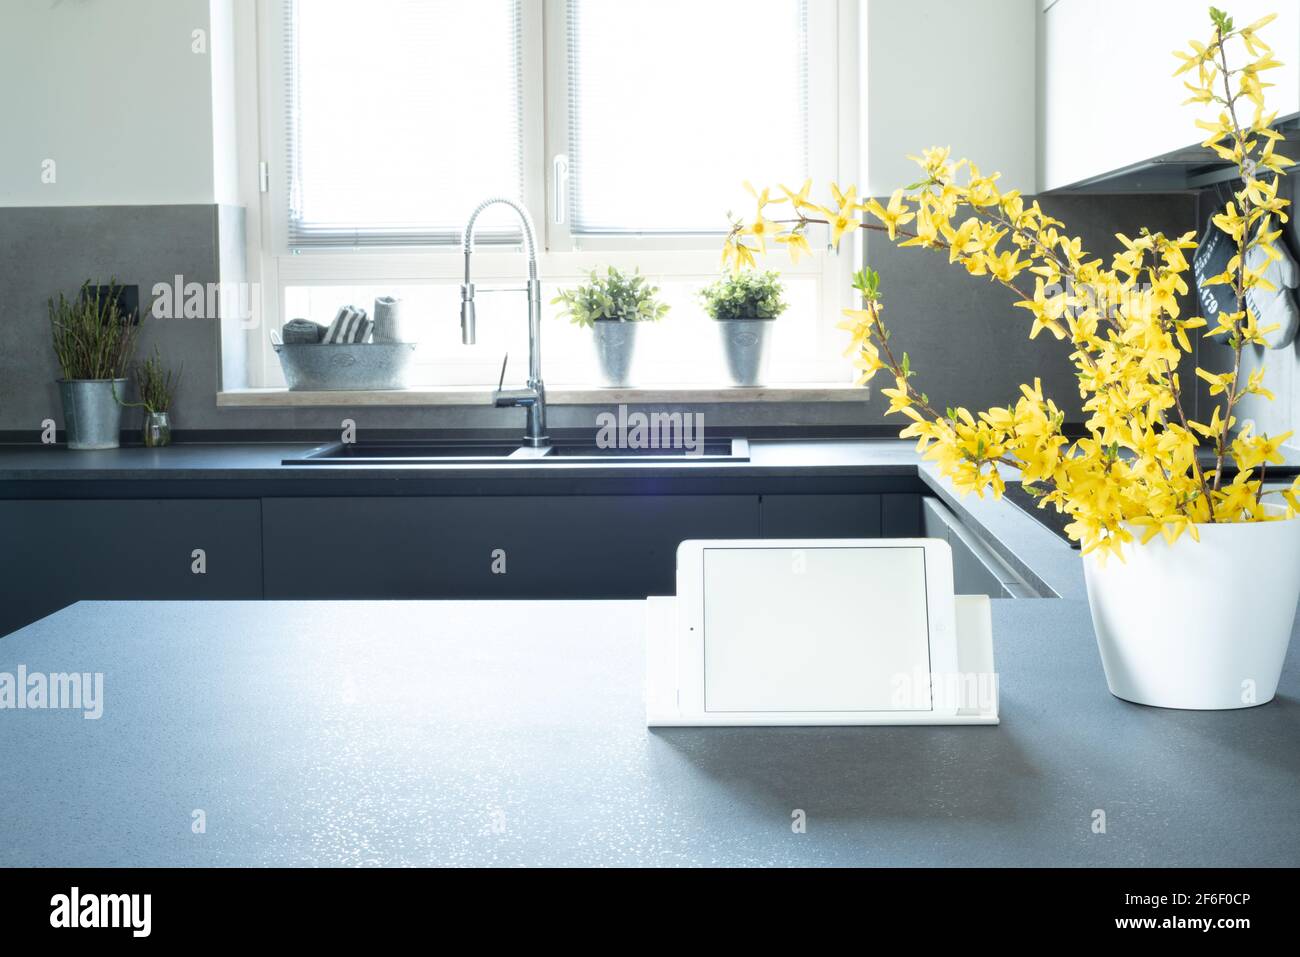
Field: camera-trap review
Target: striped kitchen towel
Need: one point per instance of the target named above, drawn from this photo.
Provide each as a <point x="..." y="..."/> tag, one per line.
<point x="350" y="325"/>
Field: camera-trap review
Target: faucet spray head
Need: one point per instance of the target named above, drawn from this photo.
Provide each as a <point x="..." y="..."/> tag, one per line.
<point x="467" y="316"/>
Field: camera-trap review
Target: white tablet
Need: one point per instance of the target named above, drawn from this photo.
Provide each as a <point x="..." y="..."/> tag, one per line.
<point x="814" y="631"/>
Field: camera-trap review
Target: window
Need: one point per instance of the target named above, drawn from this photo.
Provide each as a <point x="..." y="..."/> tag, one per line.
<point x="675" y="98"/>
<point x="627" y="128"/>
<point x="394" y="129"/>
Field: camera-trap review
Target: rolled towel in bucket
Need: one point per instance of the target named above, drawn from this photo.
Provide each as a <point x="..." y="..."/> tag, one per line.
<point x="388" y="319"/>
<point x="297" y="331"/>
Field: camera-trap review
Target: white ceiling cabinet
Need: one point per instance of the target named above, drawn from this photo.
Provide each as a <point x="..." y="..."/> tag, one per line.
<point x="1110" y="100"/>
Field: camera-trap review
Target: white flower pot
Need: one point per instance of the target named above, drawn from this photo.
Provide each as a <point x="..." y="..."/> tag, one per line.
<point x="1200" y="625"/>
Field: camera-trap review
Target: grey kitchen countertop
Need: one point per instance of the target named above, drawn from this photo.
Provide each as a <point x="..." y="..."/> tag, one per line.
<point x="512" y="733"/>
<point x="22" y="463"/>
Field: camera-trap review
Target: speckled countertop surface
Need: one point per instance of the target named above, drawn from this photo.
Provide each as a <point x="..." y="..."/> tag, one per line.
<point x="512" y="733"/>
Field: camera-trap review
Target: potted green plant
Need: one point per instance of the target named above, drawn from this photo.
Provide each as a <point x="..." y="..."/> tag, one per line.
<point x="613" y="306"/>
<point x="157" y="386"/>
<point x="93" y="339"/>
<point x="744" y="305"/>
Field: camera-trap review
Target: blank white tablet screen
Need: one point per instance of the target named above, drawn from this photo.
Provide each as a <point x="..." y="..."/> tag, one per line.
<point x="815" y="629"/>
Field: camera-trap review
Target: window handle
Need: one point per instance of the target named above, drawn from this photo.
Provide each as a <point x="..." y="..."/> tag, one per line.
<point x="560" y="187"/>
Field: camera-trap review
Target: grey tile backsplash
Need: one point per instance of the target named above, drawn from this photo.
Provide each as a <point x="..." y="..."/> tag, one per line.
<point x="48" y="250"/>
<point x="970" y="347"/>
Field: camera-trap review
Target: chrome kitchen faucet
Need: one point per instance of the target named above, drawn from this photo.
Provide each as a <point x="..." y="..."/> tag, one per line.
<point x="533" y="397"/>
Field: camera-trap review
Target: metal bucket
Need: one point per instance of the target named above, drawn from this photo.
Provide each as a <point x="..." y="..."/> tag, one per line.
<point x="615" y="350"/>
<point x="310" y="366"/>
<point x="745" y="347"/>
<point x="91" y="413"/>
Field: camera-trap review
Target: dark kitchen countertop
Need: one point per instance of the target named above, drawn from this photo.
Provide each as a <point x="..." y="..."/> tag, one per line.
<point x="255" y="471"/>
<point x="513" y="733"/>
<point x="20" y="463"/>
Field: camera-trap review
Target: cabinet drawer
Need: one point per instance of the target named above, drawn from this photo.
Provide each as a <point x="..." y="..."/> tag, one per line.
<point x="60" y="552"/>
<point x="821" y="516"/>
<point x="975" y="569"/>
<point x="900" y="516"/>
<point x="617" y="546"/>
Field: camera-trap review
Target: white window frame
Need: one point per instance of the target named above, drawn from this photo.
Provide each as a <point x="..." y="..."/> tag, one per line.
<point x="833" y="155"/>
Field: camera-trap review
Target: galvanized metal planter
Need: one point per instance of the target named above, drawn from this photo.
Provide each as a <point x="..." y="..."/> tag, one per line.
<point x="745" y="348"/>
<point x="92" y="415"/>
<point x="330" y="367"/>
<point x="615" y="350"/>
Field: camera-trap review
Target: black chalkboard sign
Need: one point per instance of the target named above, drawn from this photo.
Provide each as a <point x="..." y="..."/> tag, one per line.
<point x="1213" y="252"/>
<point x="127" y="297"/>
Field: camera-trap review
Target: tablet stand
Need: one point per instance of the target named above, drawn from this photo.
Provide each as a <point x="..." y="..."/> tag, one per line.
<point x="973" y="690"/>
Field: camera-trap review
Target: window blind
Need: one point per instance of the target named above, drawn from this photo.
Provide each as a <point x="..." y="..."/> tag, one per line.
<point x="400" y="116"/>
<point x="672" y="104"/>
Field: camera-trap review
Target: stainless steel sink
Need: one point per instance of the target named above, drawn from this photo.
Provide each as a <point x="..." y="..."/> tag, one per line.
<point x="567" y="452"/>
<point x="367" y="453"/>
<point x="730" y="450"/>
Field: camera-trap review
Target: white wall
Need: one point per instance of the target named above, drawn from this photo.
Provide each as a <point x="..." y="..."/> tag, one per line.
<point x="112" y="92"/>
<point x="225" y="153"/>
<point x="957" y="73"/>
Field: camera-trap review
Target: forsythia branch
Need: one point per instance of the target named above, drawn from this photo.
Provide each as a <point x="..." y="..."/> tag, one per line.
<point x="1135" y="472"/>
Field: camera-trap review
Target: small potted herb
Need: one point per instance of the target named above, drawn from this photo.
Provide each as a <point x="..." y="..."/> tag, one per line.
<point x="157" y="386"/>
<point x="613" y="306"/>
<point x="744" y="305"/>
<point x="93" y="338"/>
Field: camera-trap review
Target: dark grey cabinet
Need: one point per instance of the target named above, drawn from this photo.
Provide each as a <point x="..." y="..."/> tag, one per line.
<point x="59" y="552"/>
<point x="589" y="546"/>
<point x="900" y="516"/>
<point x="976" y="570"/>
<point x="841" y="516"/>
<point x="821" y="516"/>
<point x="56" y="552"/>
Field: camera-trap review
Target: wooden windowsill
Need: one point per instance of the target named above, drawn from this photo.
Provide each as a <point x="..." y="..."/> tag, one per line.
<point x="560" y="395"/>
